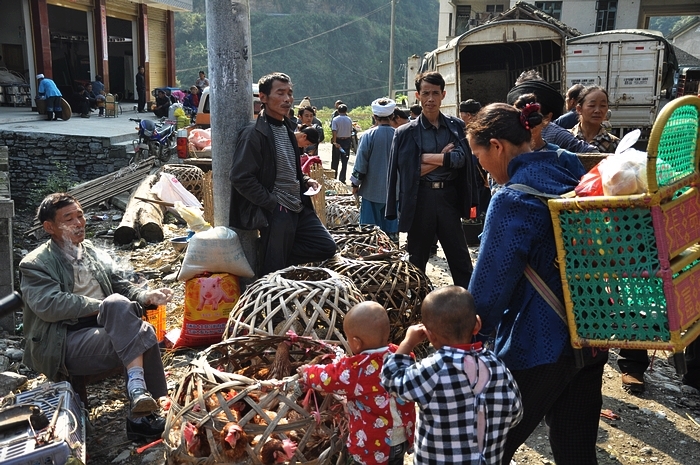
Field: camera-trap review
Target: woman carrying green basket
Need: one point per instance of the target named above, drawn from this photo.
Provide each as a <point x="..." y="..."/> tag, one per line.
<point x="517" y="287"/>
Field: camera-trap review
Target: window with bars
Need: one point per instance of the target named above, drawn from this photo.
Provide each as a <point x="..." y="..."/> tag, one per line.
<point x="462" y="19"/>
<point x="553" y="9"/>
<point x="605" y="15"/>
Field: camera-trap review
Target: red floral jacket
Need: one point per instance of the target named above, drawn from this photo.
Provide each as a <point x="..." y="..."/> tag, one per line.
<point x="373" y="413"/>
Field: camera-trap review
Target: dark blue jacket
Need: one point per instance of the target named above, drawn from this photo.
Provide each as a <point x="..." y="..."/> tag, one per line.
<point x="404" y="171"/>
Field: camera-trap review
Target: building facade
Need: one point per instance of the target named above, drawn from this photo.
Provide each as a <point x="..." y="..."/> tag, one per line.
<point x="458" y="16"/>
<point x="71" y="41"/>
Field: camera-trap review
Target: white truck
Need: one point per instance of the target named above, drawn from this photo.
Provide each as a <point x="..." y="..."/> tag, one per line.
<point x="484" y="62"/>
<point x="635" y="66"/>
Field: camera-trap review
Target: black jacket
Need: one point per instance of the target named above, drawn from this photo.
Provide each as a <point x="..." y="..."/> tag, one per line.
<point x="253" y="174"/>
<point x="140" y="81"/>
<point x="404" y="172"/>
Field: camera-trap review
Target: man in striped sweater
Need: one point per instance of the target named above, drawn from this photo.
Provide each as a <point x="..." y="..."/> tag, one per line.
<point x="268" y="185"/>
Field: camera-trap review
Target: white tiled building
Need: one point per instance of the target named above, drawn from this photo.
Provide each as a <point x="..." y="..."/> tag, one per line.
<point x="458" y="16"/>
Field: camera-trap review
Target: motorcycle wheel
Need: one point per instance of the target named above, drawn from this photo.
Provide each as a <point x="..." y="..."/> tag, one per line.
<point x="165" y="151"/>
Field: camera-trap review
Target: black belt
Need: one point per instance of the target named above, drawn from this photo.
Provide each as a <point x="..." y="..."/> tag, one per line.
<point x="342" y="138"/>
<point x="436" y="184"/>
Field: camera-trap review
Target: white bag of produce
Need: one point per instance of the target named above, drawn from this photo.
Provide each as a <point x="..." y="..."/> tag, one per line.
<point x="217" y="250"/>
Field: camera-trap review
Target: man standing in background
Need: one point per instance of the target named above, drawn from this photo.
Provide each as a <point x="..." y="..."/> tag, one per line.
<point x="371" y="164"/>
<point x="342" y="134"/>
<point x="141" y="88"/>
<point x="432" y="168"/>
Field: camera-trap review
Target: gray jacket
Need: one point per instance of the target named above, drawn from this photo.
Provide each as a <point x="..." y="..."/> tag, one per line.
<point x="50" y="305"/>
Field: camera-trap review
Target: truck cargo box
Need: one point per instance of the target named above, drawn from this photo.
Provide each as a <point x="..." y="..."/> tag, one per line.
<point x="633" y="65"/>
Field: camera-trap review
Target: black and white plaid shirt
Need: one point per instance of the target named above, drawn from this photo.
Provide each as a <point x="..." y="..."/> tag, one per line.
<point x="446" y="430"/>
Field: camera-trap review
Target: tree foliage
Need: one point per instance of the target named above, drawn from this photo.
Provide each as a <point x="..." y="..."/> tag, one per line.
<point x="332" y="49"/>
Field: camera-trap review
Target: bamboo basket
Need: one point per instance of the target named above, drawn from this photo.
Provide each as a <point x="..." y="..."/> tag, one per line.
<point x="359" y="235"/>
<point x="334" y="186"/>
<point x="389" y="279"/>
<point x="226" y="384"/>
<point x="342" y="210"/>
<point x="630" y="265"/>
<point x="310" y="301"/>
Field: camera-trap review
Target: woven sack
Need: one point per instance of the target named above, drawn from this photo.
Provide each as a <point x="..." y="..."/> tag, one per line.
<point x="310" y="301"/>
<point x="227" y="385"/>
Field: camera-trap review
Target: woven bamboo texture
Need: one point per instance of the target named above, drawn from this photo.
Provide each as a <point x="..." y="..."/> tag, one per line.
<point x="334" y="186"/>
<point x="589" y="160"/>
<point x="227" y="384"/>
<point x="191" y="178"/>
<point x="342" y="210"/>
<point x="319" y="200"/>
<point x="630" y="265"/>
<point x="389" y="279"/>
<point x="310" y="301"/>
<point x="358" y="235"/>
<point x="208" y="197"/>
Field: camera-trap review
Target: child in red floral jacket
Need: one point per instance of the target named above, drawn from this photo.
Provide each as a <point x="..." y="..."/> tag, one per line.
<point x="381" y="425"/>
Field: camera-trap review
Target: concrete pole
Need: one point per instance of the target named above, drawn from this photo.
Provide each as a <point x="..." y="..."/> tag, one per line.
<point x="230" y="101"/>
<point x="391" y="50"/>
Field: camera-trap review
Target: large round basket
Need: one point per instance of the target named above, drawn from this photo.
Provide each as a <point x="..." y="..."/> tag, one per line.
<point x="342" y="210"/>
<point x="191" y="178"/>
<point x="307" y="300"/>
<point x="228" y="385"/>
<point x="389" y="279"/>
<point x="367" y="235"/>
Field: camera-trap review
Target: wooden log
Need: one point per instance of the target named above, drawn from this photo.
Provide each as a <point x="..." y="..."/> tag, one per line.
<point x="141" y="218"/>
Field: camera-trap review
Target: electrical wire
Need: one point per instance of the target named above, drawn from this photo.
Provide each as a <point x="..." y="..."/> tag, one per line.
<point x="353" y="71"/>
<point x="303" y="40"/>
<point x="322" y="33"/>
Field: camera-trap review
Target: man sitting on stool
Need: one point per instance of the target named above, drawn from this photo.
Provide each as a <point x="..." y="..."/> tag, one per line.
<point x="82" y="318"/>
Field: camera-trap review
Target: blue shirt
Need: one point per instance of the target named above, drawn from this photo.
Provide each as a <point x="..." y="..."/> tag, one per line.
<point x="568" y="120"/>
<point x="557" y="135"/>
<point x="342" y="124"/>
<point x="372" y="161"/>
<point x="47" y="88"/>
<point x="518" y="231"/>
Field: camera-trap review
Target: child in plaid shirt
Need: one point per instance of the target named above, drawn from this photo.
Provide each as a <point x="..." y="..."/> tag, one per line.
<point x="381" y="426"/>
<point x="468" y="399"/>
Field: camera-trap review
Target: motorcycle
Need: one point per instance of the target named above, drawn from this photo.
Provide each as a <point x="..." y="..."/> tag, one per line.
<point x="156" y="139"/>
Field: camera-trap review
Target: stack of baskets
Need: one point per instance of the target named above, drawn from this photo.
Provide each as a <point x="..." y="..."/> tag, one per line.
<point x="342" y="210"/>
<point x="357" y="236"/>
<point x="630" y="265"/>
<point x="228" y="385"/>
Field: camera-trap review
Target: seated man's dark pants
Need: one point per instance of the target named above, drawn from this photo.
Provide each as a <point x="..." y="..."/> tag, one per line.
<point x="293" y="238"/>
<point x="436" y="214"/>
<point x="122" y="337"/>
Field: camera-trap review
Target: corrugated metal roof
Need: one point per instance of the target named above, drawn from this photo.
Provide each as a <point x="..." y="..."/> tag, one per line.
<point x="523" y="10"/>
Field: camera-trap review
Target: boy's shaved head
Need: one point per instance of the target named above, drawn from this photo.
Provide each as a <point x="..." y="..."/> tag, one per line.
<point x="450" y="313"/>
<point x="368" y="321"/>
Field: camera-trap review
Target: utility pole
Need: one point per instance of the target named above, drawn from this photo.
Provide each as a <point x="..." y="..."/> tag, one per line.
<point x="230" y="100"/>
<point x="391" y="50"/>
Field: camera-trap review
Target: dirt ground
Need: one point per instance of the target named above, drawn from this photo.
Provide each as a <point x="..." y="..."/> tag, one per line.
<point x="659" y="426"/>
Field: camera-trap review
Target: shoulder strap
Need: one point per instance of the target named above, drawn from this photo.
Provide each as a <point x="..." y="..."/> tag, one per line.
<point x="545" y="291"/>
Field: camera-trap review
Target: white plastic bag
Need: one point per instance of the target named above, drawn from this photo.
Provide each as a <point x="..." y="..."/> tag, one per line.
<point x="169" y="189"/>
<point x="217" y="250"/>
<point x="625" y="172"/>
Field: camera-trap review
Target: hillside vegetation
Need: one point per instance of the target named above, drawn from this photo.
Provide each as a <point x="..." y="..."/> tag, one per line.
<point x="332" y="49"/>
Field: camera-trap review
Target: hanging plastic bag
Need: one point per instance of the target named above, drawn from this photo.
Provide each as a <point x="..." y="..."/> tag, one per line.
<point x="169" y="189"/>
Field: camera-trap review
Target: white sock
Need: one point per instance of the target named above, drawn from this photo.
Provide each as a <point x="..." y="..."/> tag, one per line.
<point x="135" y="379"/>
